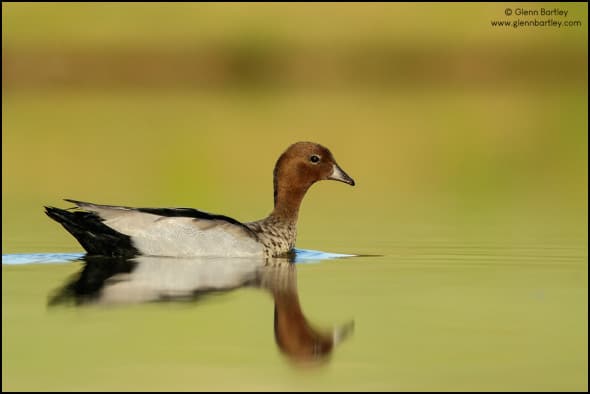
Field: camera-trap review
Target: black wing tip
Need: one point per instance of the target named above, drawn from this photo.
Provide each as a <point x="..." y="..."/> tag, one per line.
<point x="77" y="202"/>
<point x="52" y="212"/>
<point x="49" y="208"/>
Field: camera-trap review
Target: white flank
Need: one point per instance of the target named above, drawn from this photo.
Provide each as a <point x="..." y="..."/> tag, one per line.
<point x="156" y="235"/>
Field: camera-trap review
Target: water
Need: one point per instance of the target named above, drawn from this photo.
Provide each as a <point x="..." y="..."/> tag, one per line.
<point x="301" y="256"/>
<point x="422" y="315"/>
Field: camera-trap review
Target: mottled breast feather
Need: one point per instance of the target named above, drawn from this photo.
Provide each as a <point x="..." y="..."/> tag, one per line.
<point x="277" y="236"/>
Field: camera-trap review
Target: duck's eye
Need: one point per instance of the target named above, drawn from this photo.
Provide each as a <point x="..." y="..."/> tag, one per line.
<point x="314" y="159"/>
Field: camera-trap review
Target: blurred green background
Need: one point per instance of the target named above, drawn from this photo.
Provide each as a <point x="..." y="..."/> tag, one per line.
<point x="431" y="109"/>
<point x="452" y="128"/>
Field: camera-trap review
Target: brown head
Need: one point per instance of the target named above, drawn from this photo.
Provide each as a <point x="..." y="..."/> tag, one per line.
<point x="299" y="167"/>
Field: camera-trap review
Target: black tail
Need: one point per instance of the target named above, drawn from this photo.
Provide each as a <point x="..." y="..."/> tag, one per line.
<point x="94" y="236"/>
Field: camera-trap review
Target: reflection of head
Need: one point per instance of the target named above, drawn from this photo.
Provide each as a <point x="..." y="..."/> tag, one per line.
<point x="295" y="337"/>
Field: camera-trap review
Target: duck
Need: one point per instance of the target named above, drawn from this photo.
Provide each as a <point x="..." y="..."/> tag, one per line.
<point x="121" y="231"/>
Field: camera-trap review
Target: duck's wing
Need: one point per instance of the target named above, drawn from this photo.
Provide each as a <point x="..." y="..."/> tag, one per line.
<point x="156" y="231"/>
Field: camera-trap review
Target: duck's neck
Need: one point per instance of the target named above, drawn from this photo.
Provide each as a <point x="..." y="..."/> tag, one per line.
<point x="287" y="201"/>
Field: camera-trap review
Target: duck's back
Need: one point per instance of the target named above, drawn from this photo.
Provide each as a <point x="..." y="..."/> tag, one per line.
<point x="178" y="232"/>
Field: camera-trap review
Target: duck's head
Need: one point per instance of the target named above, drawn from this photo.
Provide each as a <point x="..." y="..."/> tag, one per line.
<point x="305" y="163"/>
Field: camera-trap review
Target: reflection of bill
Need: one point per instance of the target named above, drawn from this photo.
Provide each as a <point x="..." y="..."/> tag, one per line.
<point x="111" y="281"/>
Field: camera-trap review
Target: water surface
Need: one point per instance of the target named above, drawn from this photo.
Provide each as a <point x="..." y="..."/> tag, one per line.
<point x="428" y="314"/>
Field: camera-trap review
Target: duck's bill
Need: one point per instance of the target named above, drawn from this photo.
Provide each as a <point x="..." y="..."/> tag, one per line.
<point x="339" y="175"/>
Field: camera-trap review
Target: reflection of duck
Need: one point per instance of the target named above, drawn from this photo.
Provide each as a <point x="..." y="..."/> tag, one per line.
<point x="106" y="280"/>
<point x="142" y="279"/>
<point x="185" y="232"/>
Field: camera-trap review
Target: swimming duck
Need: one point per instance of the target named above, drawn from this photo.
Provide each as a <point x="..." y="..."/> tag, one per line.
<point x="183" y="232"/>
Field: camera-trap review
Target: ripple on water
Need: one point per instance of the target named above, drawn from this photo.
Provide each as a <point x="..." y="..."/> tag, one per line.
<point x="301" y="256"/>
